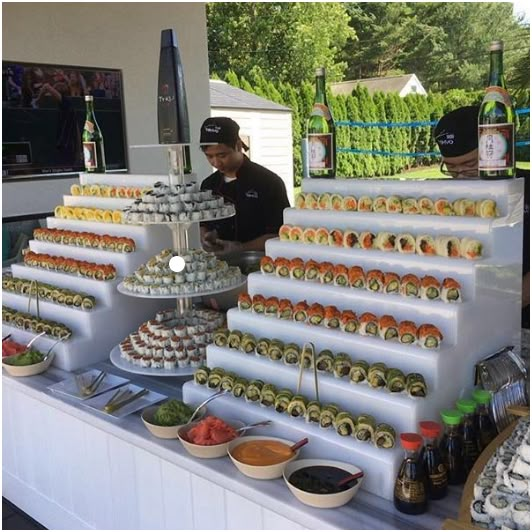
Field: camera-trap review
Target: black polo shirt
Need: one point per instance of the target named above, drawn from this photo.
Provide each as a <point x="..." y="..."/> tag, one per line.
<point x="259" y="197"/>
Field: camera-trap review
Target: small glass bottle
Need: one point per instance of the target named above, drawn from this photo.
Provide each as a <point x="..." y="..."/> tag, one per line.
<point x="410" y="495"/>
<point x="452" y="446"/>
<point x="435" y="470"/>
<point x="486" y="430"/>
<point x="467" y="408"/>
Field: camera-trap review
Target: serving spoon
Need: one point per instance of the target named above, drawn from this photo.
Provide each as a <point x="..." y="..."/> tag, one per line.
<point x="258" y="424"/>
<point x="208" y="400"/>
<point x="348" y="479"/>
<point x="299" y="444"/>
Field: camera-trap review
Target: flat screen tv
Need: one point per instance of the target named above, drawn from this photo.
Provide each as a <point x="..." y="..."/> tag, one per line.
<point x="43" y="113"/>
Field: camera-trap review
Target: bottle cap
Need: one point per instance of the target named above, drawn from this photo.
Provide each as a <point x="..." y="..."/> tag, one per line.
<point x="451" y="417"/>
<point x="482" y="397"/>
<point x="411" y="441"/>
<point x="495" y="46"/>
<point x="89" y="98"/>
<point x="466" y="406"/>
<point x="320" y="71"/>
<point x="430" y="429"/>
<point x="168" y="39"/>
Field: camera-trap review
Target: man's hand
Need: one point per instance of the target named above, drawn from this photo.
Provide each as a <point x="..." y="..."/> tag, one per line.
<point x="208" y="240"/>
<point x="227" y="246"/>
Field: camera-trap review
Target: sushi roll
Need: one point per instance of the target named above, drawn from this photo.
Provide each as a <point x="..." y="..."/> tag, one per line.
<point x="385" y="241"/>
<point x="324" y="361"/>
<point x="297" y="268"/>
<point x="405" y="243"/>
<point x="239" y="387"/>
<point x="248" y="343"/>
<point x="267" y="265"/>
<point x="478" y="513"/>
<point x="356" y="277"/>
<point x="316" y="314"/>
<point x="307" y="356"/>
<point x="365" y="204"/>
<point x="394" y="205"/>
<point x="300" y="200"/>
<point x="367" y="239"/>
<point x="215" y="378"/>
<point x="379" y="204"/>
<point x="322" y="236"/>
<point x="519" y="483"/>
<point x="282" y="400"/>
<point x="368" y="324"/>
<point x="451" y="291"/>
<point x="340" y="275"/>
<point x="309" y="235"/>
<point x="358" y="372"/>
<point x="391" y="283"/>
<point x="284" y="232"/>
<point x="201" y="375"/>
<point x="520" y="512"/>
<point x="267" y="395"/>
<point x="470" y="248"/>
<point x="336" y="238"/>
<point x="336" y="202"/>
<point x="259" y="303"/>
<point x="285" y="310"/>
<point x="271" y="307"/>
<point x="332" y="317"/>
<point x="482" y="483"/>
<point x="244" y="302"/>
<point x="410" y="206"/>
<point x="228" y="381"/>
<point x="351" y="239"/>
<point x="348" y="321"/>
<point x="425" y="205"/>
<point x="275" y="350"/>
<point x="324" y="201"/>
<point x="365" y="428"/>
<point x="388" y="329"/>
<point x="425" y="245"/>
<point x="326" y="274"/>
<point x="328" y="415"/>
<point x="443" y="207"/>
<point x="429" y="336"/>
<point x="384" y="436"/>
<point x="313" y="412"/>
<point x="261" y="349"/>
<point x="377" y="375"/>
<point x="301" y="311"/>
<point x="282" y="267"/>
<point x="234" y="339"/>
<point x="430" y="288"/>
<point x="410" y="285"/>
<point x="345" y="424"/>
<point x="407" y="332"/>
<point x="296" y="234"/>
<point x="312" y="270"/>
<point x="521" y="467"/>
<point x="341" y="365"/>
<point x="462" y="207"/>
<point x="486" y="208"/>
<point x="375" y="280"/>
<point x="297" y="407"/>
<point x="349" y="203"/>
<point x="253" y="390"/>
<point x="448" y="246"/>
<point x="395" y="380"/>
<point x="220" y="337"/>
<point x="291" y="355"/>
<point x="311" y="201"/>
<point x="497" y="506"/>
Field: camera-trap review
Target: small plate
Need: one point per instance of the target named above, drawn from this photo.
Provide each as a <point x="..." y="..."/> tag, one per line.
<point x="70" y="388"/>
<point x="97" y="403"/>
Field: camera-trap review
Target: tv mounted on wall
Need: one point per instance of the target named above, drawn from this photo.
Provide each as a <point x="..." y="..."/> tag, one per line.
<point x="43" y="115"/>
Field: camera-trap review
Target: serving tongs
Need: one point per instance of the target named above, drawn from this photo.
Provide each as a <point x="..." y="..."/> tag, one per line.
<point x="208" y="400"/>
<point x="89" y="389"/>
<point x="123" y="397"/>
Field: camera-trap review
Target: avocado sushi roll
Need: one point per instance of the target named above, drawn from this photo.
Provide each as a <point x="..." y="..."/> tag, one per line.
<point x="234" y="339"/>
<point x="324" y="201"/>
<point x="336" y="202"/>
<point x="395" y="380"/>
<point x="248" y="343"/>
<point x="214" y="379"/>
<point x="368" y="324"/>
<point x="267" y="265"/>
<point x="328" y="415"/>
<point x="316" y="313"/>
<point x="429" y="336"/>
<point x="286" y="312"/>
<point x="282" y="400"/>
<point x="228" y="381"/>
<point x="388" y="328"/>
<point x="201" y="375"/>
<point x="313" y="412"/>
<point x="300" y="201"/>
<point x="375" y="280"/>
<point x="259" y="302"/>
<point x="341" y="365"/>
<point x="312" y="270"/>
<point x="365" y="428"/>
<point x="311" y="201"/>
<point x="415" y="385"/>
<point x="345" y="424"/>
<point x="253" y="390"/>
<point x="384" y="437"/>
<point x="407" y="332"/>
<point x="291" y="354"/>
<point x="297" y="406"/>
<point x="267" y="395"/>
<point x="240" y="386"/>
<point x="430" y="288"/>
<point x="244" y="302"/>
<point x="307" y="356"/>
<point x="451" y="291"/>
<point x="271" y="307"/>
<point x="377" y="375"/>
<point x="261" y="349"/>
<point x="391" y="283"/>
<point x="275" y="351"/>
<point x="220" y="337"/>
<point x="358" y="372"/>
<point x="325" y="361"/>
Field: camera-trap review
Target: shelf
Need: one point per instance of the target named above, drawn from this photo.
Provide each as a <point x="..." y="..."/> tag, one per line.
<point x="98" y="202"/>
<point x="127" y="180"/>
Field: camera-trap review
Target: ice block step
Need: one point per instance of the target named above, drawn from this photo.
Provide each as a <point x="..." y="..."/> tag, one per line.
<point x="97" y="202"/>
<point x="127" y="180"/>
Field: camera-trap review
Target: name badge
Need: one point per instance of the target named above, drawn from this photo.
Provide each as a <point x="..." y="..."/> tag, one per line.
<point x="252" y="194"/>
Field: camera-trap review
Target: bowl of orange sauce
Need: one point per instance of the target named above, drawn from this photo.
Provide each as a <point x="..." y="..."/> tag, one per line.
<point x="261" y="457"/>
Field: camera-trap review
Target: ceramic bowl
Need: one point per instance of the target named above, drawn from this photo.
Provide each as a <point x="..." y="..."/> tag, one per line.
<point x="160" y="431"/>
<point x="261" y="472"/>
<point x="28" y="371"/>
<point x="331" y="500"/>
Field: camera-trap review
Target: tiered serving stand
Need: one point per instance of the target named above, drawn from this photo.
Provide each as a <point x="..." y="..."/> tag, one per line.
<point x="486" y="320"/>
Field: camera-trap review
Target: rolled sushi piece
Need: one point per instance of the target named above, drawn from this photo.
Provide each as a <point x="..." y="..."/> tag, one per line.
<point x="300" y="200"/>
<point x="282" y="267"/>
<point x="384" y="436"/>
<point x="248" y="343"/>
<point x="275" y="351"/>
<point x="239" y="387"/>
<point x="271" y="307"/>
<point x="426" y="205"/>
<point x="359" y="371"/>
<point x="410" y="285"/>
<point x="375" y="280"/>
<point x="228" y="381"/>
<point x="520" y="512"/>
<point x="430" y="288"/>
<point x="429" y="336"/>
<point x="349" y="203"/>
<point x="261" y="349"/>
<point x="253" y="390"/>
<point x="356" y="277"/>
<point x="405" y="243"/>
<point x="486" y="208"/>
<point x="284" y="232"/>
<point x="215" y="378"/>
<point x="448" y="246"/>
<point x="267" y="265"/>
<point x="407" y="332"/>
<point x="311" y="201"/>
<point x="341" y="275"/>
<point x="220" y="337"/>
<point x="348" y="321"/>
<point x="244" y="302"/>
<point x="297" y="407"/>
<point x="345" y="424"/>
<point x="201" y="375"/>
<point x="365" y="428"/>
<point x="336" y="238"/>
<point x="297" y="268"/>
<point x="462" y="207"/>
<point x="478" y="512"/>
<point x="395" y="380"/>
<point x="365" y="204"/>
<point x="309" y="235"/>
<point x="328" y="415"/>
<point x="385" y="241"/>
<point x="322" y="236"/>
<point x="443" y="207"/>
<point x="391" y="283"/>
<point x="497" y="506"/>
<point x="332" y="317"/>
<point x="312" y="270"/>
<point x="336" y="202"/>
<point x="324" y="201"/>
<point x="394" y="205"/>
<point x="410" y="206"/>
<point x="470" y="248"/>
<point x="267" y="395"/>
<point x="341" y="365"/>
<point x="367" y="239"/>
<point x="481" y="484"/>
<point x="282" y="400"/>
<point x="307" y="357"/>
<point x="425" y="245"/>
<point x="377" y="375"/>
<point x="316" y="314"/>
<point x="518" y="482"/>
<point x="326" y="274"/>
<point x="88" y="302"/>
<point x="258" y="304"/>
<point x="451" y="291"/>
<point x="291" y="355"/>
<point x="234" y="339"/>
<point x="313" y="412"/>
<point x="388" y="328"/>
<point x="301" y="312"/>
<point x="351" y="239"/>
<point x="285" y="310"/>
<point x="296" y="234"/>
<point x="325" y="361"/>
<point x="368" y="324"/>
<point x="379" y="204"/>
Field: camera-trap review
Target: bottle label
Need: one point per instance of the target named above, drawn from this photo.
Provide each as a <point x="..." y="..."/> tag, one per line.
<point x="319" y="109"/>
<point x="412" y="491"/>
<point x="439" y="478"/>
<point x="496" y="146"/>
<point x="497" y="94"/>
<point x="90" y="156"/>
<point x="320" y="151"/>
<point x="89" y="126"/>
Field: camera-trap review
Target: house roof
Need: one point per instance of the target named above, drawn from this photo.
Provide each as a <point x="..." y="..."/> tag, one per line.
<point x="225" y="95"/>
<point x="383" y="84"/>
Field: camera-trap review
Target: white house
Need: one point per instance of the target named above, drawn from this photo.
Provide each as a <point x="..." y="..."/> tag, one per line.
<point x="405" y="84"/>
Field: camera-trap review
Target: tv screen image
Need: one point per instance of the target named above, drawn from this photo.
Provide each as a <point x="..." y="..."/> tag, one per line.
<point x="44" y="112"/>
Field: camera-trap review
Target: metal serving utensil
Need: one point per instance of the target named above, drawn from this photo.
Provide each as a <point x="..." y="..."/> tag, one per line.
<point x="30" y="343"/>
<point x="253" y="425"/>
<point x="123" y="401"/>
<point x="94" y="384"/>
<point x="208" y="400"/>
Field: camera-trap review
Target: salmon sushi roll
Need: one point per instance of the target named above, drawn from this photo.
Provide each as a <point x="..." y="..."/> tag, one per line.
<point x="244" y="302"/>
<point x="326" y="272"/>
<point x="271" y="307"/>
<point x="341" y="277"/>
<point x="349" y="203"/>
<point x="297" y="268"/>
<point x="486" y="208"/>
<point x="410" y="206"/>
<point x="365" y="204"/>
<point x="309" y="235"/>
<point x="316" y="314"/>
<point x="336" y="238"/>
<point x="348" y="321"/>
<point x="388" y="328"/>
<point x="336" y="202"/>
<point x="311" y="201"/>
<point x="391" y="283"/>
<point x="267" y="265"/>
<point x="429" y="336"/>
<point x="300" y="313"/>
<point x="322" y="236"/>
<point x="351" y="239"/>
<point x="296" y="234"/>
<point x="425" y="205"/>
<point x="285" y="309"/>
<point x="385" y="241"/>
<point x="443" y="207"/>
<point x="410" y="285"/>
<point x="425" y="245"/>
<point x="460" y="205"/>
<point x="448" y="246"/>
<point x="367" y="240"/>
<point x="375" y="280"/>
<point x="470" y="248"/>
<point x="368" y="324"/>
<point x="430" y="288"/>
<point x="451" y="291"/>
<point x="356" y="277"/>
<point x="407" y="332"/>
<point x="284" y="232"/>
<point x="312" y="270"/>
<point x="405" y="243"/>
<point x="258" y="304"/>
<point x="379" y="204"/>
<point x="394" y="205"/>
<point x="282" y="267"/>
<point x="324" y="201"/>
<point x="300" y="201"/>
<point x="332" y="317"/>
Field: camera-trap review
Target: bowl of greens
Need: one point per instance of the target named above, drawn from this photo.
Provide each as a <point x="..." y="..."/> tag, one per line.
<point x="28" y="363"/>
<point x="164" y="420"/>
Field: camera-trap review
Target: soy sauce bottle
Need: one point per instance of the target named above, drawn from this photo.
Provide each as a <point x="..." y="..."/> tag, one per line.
<point x="467" y="408"/>
<point x="486" y="430"/>
<point x="431" y="460"/>
<point x="452" y="446"/>
<point x="410" y="495"/>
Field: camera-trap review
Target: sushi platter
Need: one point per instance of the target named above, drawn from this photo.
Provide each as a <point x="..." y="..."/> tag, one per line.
<point x="122" y="289"/>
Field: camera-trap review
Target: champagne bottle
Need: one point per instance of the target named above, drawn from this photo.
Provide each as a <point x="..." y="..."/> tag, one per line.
<point x="496" y="124"/>
<point x="92" y="138"/>
<point x="321" y="133"/>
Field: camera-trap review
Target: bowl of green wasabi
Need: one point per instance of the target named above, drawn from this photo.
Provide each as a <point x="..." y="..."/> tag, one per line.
<point x="27" y="364"/>
<point x="164" y="420"/>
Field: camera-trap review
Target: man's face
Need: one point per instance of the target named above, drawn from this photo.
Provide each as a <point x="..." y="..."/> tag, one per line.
<point x="223" y="157"/>
<point x="463" y="166"/>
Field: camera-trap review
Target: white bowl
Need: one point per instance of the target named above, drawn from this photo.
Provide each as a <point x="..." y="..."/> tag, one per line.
<point x="267" y="472"/>
<point x="207" y="451"/>
<point x="28" y="371"/>
<point x="331" y="500"/>
<point x="164" y="431"/>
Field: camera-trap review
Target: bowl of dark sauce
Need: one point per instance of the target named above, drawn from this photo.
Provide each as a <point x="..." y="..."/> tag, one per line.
<point x="315" y="482"/>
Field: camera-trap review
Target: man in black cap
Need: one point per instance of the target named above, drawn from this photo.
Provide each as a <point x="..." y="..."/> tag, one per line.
<point x="457" y="136"/>
<point x="259" y="195"/>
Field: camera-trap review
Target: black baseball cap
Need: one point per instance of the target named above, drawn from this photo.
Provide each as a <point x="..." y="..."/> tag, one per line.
<point x="457" y="132"/>
<point x="220" y="130"/>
